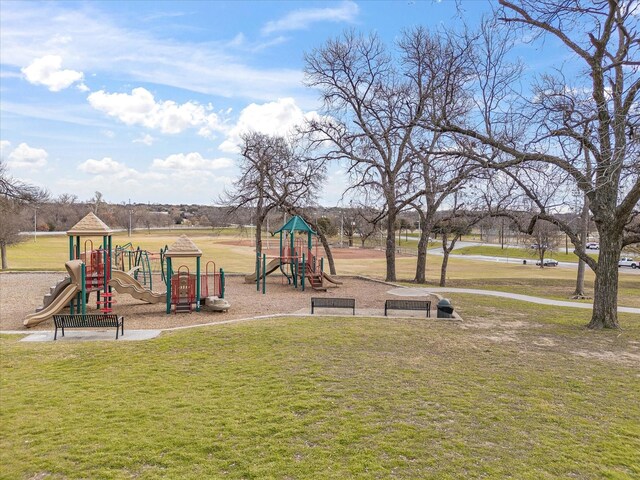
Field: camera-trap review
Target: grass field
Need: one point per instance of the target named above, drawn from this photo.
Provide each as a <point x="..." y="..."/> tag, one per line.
<point x="502" y="395"/>
<point x="515" y="391"/>
<point x="525" y="253"/>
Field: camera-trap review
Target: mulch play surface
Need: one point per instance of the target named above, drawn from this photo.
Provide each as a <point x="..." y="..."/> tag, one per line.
<point x="21" y="293"/>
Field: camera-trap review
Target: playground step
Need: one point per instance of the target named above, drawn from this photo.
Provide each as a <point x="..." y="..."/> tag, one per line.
<point x="183" y="307"/>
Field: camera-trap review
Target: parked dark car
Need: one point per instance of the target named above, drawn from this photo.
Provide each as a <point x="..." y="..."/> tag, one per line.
<point x="548" y="262"/>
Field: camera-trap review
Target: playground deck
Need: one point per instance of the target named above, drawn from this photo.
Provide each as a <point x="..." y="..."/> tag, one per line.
<point x="23" y="292"/>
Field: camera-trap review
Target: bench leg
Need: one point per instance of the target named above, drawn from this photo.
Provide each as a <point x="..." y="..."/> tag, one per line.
<point x="55" y="334"/>
<point x="354" y="311"/>
<point x="122" y="327"/>
<point x="311" y="308"/>
<point x="385" y="310"/>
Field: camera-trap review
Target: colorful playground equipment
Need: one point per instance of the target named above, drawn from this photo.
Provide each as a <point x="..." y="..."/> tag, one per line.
<point x="298" y="259"/>
<point x="136" y="261"/>
<point x="91" y="269"/>
<point x="187" y="291"/>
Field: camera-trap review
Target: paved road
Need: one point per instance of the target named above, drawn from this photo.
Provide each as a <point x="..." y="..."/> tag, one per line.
<point x="514" y="261"/>
<point x="416" y="292"/>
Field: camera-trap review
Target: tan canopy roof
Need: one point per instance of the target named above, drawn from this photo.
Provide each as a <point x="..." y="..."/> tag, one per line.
<point x="183" y="247"/>
<point x="90" y="225"/>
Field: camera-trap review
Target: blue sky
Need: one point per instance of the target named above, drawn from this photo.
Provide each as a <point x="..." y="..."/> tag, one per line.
<point x="146" y="100"/>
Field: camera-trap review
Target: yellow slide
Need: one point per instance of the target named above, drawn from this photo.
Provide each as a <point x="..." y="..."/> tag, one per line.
<point x="62" y="299"/>
<point x="271" y="267"/>
<point x="122" y="282"/>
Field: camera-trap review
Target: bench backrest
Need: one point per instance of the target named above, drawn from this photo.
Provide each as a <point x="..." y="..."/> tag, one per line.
<point x="333" y="302"/>
<point x="408" y="304"/>
<point x="87" y="320"/>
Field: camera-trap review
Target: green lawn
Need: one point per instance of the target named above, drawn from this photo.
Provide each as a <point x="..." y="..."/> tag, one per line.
<point x="50" y="253"/>
<point x="524" y="253"/>
<point x="501" y="395"/>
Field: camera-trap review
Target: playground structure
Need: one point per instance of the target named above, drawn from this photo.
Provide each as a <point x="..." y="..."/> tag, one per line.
<point x="187" y="291"/>
<point x="92" y="269"/>
<point x="298" y="259"/>
<point x="89" y="271"/>
<point x="137" y="261"/>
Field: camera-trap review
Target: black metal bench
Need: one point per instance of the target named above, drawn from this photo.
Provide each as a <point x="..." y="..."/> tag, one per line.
<point x="88" y="321"/>
<point x="407" y="305"/>
<point x="325" y="302"/>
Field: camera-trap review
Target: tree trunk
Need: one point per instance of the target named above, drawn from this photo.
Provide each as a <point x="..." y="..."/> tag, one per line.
<point x="258" y="234"/>
<point x="421" y="262"/>
<point x="445" y="261"/>
<point x="327" y="250"/>
<point x="3" y="249"/>
<point x="605" y="298"/>
<point x="390" y="252"/>
<point x="446" y="250"/>
<point x="584" y="231"/>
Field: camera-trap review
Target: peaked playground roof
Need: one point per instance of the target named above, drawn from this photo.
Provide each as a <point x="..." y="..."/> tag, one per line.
<point x="295" y="224"/>
<point x="90" y="225"/>
<point x="183" y="247"/>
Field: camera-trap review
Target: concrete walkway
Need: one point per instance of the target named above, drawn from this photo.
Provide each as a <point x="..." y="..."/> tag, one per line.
<point x="417" y="292"/>
<point x="91" y="335"/>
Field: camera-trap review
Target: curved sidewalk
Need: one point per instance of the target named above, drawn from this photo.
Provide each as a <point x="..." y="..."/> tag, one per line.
<point x="416" y="292"/>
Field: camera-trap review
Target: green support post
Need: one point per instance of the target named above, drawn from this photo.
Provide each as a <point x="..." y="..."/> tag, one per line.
<point x="221" y="283"/>
<point x="257" y="271"/>
<point x="322" y="265"/>
<point x="264" y="276"/>
<point x="109" y="264"/>
<point x="304" y="271"/>
<point x="71" y="247"/>
<point x="83" y="278"/>
<point x="168" y="284"/>
<point x="197" y="284"/>
<point x="77" y="247"/>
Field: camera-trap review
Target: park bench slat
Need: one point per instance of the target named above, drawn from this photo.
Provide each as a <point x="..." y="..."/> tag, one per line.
<point x="88" y="321"/>
<point x="329" y="302"/>
<point x="408" y="305"/>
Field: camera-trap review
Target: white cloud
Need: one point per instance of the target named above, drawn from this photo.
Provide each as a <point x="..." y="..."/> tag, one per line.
<point x="27" y="157"/>
<point x="4" y="145"/>
<point x="191" y="162"/>
<point x="48" y="71"/>
<point x="302" y="19"/>
<point x="140" y="108"/>
<point x="146" y="139"/>
<point x="273" y="118"/>
<point x="91" y="36"/>
<point x="100" y="167"/>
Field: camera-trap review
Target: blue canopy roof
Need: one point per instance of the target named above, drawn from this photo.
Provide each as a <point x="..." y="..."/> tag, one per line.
<point x="295" y="224"/>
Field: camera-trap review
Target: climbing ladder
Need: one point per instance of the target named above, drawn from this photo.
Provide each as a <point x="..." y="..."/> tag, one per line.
<point x="183" y="290"/>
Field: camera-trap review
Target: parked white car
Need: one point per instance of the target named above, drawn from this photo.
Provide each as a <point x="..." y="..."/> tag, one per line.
<point x="628" y="262"/>
<point x="593" y="246"/>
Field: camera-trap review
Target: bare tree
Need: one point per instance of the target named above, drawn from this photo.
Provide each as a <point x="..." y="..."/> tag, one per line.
<point x="14" y="196"/>
<point x="545" y="235"/>
<point x="589" y="103"/>
<point x="275" y="172"/>
<point x="97" y="200"/>
<point x="372" y="113"/>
